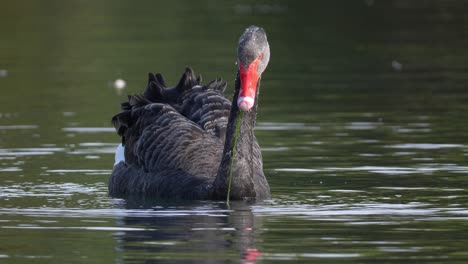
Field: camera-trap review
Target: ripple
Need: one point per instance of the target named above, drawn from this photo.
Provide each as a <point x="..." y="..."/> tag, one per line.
<point x="400" y="249"/>
<point x="29" y="151"/>
<point x="15" y="127"/>
<point x="403" y="153"/>
<point x="10" y="169"/>
<point x="346" y="191"/>
<point x="110" y="213"/>
<point x="34" y="149"/>
<point x="420" y="124"/>
<point x="383" y="169"/>
<point x="413" y="130"/>
<point x="347" y="210"/>
<point x="48" y="190"/>
<point x="273" y="149"/>
<point x="88" y="129"/>
<point x="368" y="141"/>
<point x="370" y="155"/>
<point x="98" y="144"/>
<point x="92" y="228"/>
<point x="362" y="126"/>
<point x="292" y="256"/>
<point x="7" y="158"/>
<point x="85" y="171"/>
<point x="104" y="150"/>
<point x="420" y="189"/>
<point x="297" y="170"/>
<point x="284" y="126"/>
<point x="424" y="146"/>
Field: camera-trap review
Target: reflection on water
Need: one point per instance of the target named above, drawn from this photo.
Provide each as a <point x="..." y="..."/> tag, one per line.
<point x="224" y="232"/>
<point x="360" y="122"/>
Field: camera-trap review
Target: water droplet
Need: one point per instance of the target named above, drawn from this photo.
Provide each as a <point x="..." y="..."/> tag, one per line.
<point x="3" y="73"/>
<point x="120" y="84"/>
<point x="397" y="65"/>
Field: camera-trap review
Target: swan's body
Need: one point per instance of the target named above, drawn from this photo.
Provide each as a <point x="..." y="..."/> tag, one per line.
<point x="178" y="142"/>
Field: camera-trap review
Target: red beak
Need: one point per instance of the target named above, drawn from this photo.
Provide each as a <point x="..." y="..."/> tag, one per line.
<point x="248" y="80"/>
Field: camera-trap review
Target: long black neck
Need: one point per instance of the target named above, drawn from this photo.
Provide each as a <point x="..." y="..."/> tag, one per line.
<point x="244" y="164"/>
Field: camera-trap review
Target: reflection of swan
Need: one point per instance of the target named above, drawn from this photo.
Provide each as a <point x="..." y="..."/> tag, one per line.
<point x="189" y="231"/>
<point x="174" y="137"/>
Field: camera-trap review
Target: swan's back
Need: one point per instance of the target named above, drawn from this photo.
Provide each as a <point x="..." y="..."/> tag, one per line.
<point x="173" y="139"/>
<point x="207" y="106"/>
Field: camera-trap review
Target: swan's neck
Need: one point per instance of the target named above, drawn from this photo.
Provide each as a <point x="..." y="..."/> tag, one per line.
<point x="245" y="158"/>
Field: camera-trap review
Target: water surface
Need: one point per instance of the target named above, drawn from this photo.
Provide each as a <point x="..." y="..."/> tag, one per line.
<point x="361" y="124"/>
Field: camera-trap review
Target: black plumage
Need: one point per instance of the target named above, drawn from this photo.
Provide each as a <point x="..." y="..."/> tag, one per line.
<point x="178" y="143"/>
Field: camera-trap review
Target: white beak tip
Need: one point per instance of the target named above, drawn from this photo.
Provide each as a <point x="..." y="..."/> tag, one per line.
<point x="245" y="103"/>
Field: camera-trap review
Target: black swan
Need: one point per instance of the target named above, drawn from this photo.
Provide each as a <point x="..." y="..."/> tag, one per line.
<point x="178" y="141"/>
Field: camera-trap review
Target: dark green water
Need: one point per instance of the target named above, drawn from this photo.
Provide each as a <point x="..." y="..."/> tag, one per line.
<point x="362" y="124"/>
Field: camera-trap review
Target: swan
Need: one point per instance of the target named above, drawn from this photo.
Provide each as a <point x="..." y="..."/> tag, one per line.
<point x="178" y="142"/>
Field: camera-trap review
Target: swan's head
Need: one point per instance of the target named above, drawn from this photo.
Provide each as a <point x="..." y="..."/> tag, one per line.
<point x="253" y="54"/>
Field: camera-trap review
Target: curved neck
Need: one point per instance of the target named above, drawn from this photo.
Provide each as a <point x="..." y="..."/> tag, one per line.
<point x="243" y="169"/>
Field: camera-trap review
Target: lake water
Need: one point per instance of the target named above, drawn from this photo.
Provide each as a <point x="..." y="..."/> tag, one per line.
<point x="362" y="123"/>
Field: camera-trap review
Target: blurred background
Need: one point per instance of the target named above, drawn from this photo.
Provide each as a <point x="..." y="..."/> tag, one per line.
<point x="363" y="106"/>
<point x="58" y="57"/>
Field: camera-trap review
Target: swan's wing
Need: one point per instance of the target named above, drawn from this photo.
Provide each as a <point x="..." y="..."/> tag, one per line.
<point x="157" y="137"/>
<point x="204" y="105"/>
<point x="207" y="106"/>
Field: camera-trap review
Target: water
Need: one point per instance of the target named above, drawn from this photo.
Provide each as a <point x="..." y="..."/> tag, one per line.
<point x="361" y="124"/>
